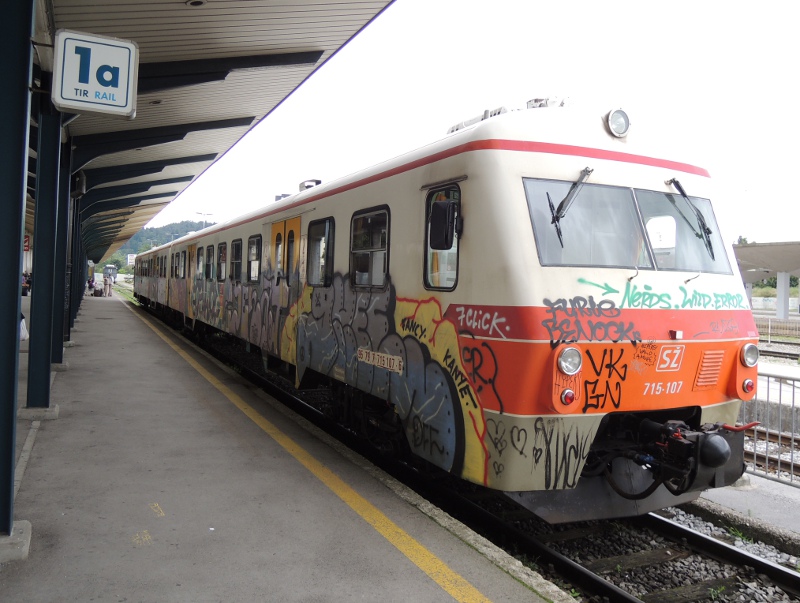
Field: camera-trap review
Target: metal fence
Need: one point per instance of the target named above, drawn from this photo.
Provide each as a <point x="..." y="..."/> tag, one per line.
<point x="770" y="449"/>
<point x="769" y="328"/>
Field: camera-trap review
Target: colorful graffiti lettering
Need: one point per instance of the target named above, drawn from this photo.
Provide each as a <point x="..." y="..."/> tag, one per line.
<point x="414" y="363"/>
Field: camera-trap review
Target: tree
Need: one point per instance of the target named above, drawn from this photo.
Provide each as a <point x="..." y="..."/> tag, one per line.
<point x="773" y="281"/>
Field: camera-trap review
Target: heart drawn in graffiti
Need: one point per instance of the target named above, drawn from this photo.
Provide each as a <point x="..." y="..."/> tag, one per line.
<point x="498" y="467"/>
<point x="537" y="455"/>
<point x="498" y="437"/>
<point x="519" y="437"/>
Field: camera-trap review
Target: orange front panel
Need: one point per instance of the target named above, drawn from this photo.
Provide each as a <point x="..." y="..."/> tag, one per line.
<point x="521" y="377"/>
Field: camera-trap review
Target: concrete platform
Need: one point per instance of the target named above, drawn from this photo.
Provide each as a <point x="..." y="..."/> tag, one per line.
<point x="168" y="478"/>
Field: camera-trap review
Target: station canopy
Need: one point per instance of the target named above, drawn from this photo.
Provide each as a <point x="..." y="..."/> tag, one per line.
<point x="209" y="71"/>
<point x="758" y="261"/>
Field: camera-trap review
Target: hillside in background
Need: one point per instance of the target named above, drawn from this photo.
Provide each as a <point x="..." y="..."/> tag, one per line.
<point x="153" y="237"/>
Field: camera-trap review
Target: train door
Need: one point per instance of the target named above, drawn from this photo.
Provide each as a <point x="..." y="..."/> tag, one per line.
<point x="284" y="253"/>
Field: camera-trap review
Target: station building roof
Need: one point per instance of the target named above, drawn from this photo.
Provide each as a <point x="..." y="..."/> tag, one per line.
<point x="758" y="261"/>
<point x="209" y="71"/>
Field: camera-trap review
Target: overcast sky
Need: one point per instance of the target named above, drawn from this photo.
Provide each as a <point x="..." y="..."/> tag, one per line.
<point x="725" y="71"/>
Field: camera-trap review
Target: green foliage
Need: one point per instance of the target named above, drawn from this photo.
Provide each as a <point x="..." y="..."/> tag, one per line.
<point x="148" y="238"/>
<point x="737" y="533"/>
<point x="762" y="291"/>
<point x="773" y="281"/>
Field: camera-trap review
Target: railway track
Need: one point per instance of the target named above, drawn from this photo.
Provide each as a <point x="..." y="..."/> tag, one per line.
<point x="634" y="560"/>
<point x="778" y="454"/>
<point x="779" y="349"/>
<point x="638" y="560"/>
<point x="780" y="354"/>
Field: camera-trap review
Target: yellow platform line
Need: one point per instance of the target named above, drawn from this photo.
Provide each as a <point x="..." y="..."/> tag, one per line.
<point x="455" y="585"/>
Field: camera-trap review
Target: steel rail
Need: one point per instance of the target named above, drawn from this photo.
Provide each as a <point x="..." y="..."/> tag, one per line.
<point x="787" y="579"/>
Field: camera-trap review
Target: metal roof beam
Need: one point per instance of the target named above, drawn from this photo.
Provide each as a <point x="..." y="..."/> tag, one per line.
<point x="156" y="77"/>
<point x="91" y="146"/>
<point x="90" y="222"/>
<point x="97" y="176"/>
<point x="124" y="203"/>
<point x="118" y="192"/>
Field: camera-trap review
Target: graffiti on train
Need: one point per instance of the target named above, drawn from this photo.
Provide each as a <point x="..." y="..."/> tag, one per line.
<point x="402" y="351"/>
<point x="256" y="311"/>
<point x="557" y="449"/>
<point x="646" y="296"/>
<point x="584" y="319"/>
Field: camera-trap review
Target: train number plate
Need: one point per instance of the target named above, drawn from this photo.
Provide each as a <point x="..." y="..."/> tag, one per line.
<point x="662" y="387"/>
<point x="384" y="361"/>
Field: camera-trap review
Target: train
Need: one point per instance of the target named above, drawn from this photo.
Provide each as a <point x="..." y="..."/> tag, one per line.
<point x="540" y="303"/>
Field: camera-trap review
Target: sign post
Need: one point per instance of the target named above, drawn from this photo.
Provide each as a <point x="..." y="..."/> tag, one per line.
<point x="95" y="74"/>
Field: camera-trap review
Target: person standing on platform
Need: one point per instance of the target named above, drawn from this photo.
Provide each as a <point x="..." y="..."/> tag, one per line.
<point x="106" y="286"/>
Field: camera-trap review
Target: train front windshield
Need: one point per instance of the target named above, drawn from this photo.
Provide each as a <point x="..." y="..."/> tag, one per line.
<point x="617" y="227"/>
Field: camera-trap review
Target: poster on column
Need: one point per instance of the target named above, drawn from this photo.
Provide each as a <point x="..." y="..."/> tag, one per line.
<point x="95" y="74"/>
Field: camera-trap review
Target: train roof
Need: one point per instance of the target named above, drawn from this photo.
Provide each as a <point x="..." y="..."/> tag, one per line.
<point x="561" y="126"/>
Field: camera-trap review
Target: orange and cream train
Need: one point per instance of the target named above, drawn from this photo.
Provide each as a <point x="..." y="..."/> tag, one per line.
<point x="540" y="303"/>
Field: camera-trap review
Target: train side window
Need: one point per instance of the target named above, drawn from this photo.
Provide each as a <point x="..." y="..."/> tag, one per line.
<point x="289" y="256"/>
<point x="253" y="258"/>
<point x="200" y="263"/>
<point x="369" y="246"/>
<point x="222" y="261"/>
<point x="442" y="231"/>
<point x="278" y="253"/>
<point x="172" y="266"/>
<point x="183" y="265"/>
<point x="236" y="260"/>
<point x="164" y="266"/>
<point x="209" y="262"/>
<point x="319" y="266"/>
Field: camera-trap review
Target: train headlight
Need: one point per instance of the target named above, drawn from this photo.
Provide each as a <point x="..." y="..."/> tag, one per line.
<point x="618" y="123"/>
<point x="749" y="355"/>
<point x="570" y="361"/>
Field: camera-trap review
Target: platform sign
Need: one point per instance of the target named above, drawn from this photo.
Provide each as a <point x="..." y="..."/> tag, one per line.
<point x="95" y="74"/>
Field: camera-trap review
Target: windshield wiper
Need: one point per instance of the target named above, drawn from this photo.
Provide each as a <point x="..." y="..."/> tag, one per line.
<point x="705" y="231"/>
<point x="563" y="207"/>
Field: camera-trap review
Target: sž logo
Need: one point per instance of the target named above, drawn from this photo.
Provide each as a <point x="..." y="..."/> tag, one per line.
<point x="670" y="358"/>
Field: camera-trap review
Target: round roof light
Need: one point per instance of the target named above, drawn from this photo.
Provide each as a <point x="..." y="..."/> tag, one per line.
<point x="570" y="361"/>
<point x="618" y="123"/>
